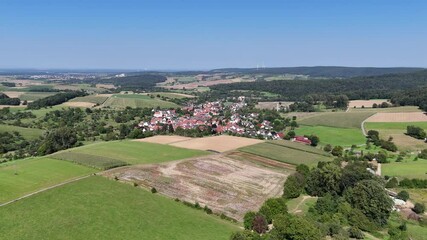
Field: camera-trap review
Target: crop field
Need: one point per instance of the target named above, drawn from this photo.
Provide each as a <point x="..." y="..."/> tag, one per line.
<point x="272" y="105"/>
<point x="406" y="169"/>
<point x="137" y="100"/>
<point x="162" y="139"/>
<point x="98" y="208"/>
<point x="99" y="162"/>
<point x="21" y="177"/>
<point x="130" y="152"/>
<point x="96" y="99"/>
<point x="221" y="143"/>
<point x="365" y="103"/>
<point x="336" y="119"/>
<point x="226" y="185"/>
<point x="172" y="95"/>
<point x="32" y="96"/>
<point x="389" y="109"/>
<point x="397" y="131"/>
<point x="27" y="133"/>
<point x="398" y="117"/>
<point x="299" y="146"/>
<point x="334" y="135"/>
<point x="285" y="154"/>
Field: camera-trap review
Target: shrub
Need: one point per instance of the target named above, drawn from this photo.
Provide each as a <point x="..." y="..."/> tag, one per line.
<point x="419" y="208"/>
<point x="423" y="154"/>
<point x="207" y="210"/>
<point x="153" y="190"/>
<point x="403" y="195"/>
<point x="135" y="184"/>
<point x="260" y="224"/>
<point x="248" y="220"/>
<point x="355" y="232"/>
<point x="327" y="148"/>
<point x="392" y="183"/>
<point x="337" y="151"/>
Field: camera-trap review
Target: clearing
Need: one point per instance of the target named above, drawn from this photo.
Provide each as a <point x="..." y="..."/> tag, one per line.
<point x="221" y="143"/>
<point x="301" y="204"/>
<point x="104" y="154"/>
<point x="21" y="177"/>
<point x="406" y="169"/>
<point x="272" y="105"/>
<point x="226" y="185"/>
<point x="285" y="154"/>
<point x="98" y="208"/>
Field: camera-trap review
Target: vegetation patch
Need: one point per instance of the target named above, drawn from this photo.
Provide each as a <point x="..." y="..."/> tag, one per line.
<point x="337" y="119"/>
<point x="27" y="133"/>
<point x="333" y="135"/>
<point x="406" y="169"/>
<point x="98" y="208"/>
<point x="96" y="99"/>
<point x="137" y="101"/>
<point x="21" y="177"/>
<point x="90" y="160"/>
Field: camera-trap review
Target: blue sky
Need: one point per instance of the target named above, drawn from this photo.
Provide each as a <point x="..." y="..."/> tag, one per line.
<point x="206" y="34"/>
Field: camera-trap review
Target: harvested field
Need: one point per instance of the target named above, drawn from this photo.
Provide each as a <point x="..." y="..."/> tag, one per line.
<point x="398" y="117"/>
<point x="164" y="139"/>
<point x="389" y="109"/>
<point x="79" y="104"/>
<point x="259" y="160"/>
<point x="365" y="103"/>
<point x="14" y="94"/>
<point x="336" y="119"/>
<point x="221" y="143"/>
<point x="226" y="185"/>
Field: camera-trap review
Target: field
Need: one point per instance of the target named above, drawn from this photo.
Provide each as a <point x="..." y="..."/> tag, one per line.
<point x="32" y="96"/>
<point x="334" y="135"/>
<point x="27" y="133"/>
<point x="285" y="154"/>
<point x="272" y="105"/>
<point x="398" y="117"/>
<point x="365" y="103"/>
<point x="221" y="143"/>
<point x="226" y="185"/>
<point x="299" y="146"/>
<point x="408" y="169"/>
<point x="131" y="152"/>
<point x="79" y="104"/>
<point x="96" y="99"/>
<point x="301" y="204"/>
<point x="135" y="101"/>
<point x="98" y="208"/>
<point x="390" y="109"/>
<point x="21" y="177"/>
<point x="397" y="130"/>
<point x="172" y="95"/>
<point x="336" y="119"/>
<point x="161" y="139"/>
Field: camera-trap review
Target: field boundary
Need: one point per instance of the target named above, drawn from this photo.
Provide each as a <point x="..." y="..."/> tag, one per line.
<point x="44" y="189"/>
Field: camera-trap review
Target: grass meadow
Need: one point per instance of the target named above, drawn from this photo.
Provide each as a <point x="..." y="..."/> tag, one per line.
<point x="285" y="154"/>
<point x="130" y="152"/>
<point x="405" y="169"/>
<point x="172" y="95"/>
<point x="137" y="101"/>
<point x="91" y="99"/>
<point x="98" y="208"/>
<point x="27" y="133"/>
<point x="21" y="177"/>
<point x="333" y="135"/>
<point x="32" y="96"/>
<point x="336" y="119"/>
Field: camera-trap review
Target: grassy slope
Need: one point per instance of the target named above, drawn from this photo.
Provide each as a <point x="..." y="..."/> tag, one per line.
<point x="409" y="169"/>
<point x="285" y="154"/>
<point x="134" y="152"/>
<point x="34" y="174"/>
<point x="172" y="95"/>
<point x="32" y="96"/>
<point x="27" y="133"/>
<point x="299" y="146"/>
<point x="333" y="135"/>
<point x="97" y="208"/>
<point x="122" y="101"/>
<point x="91" y="98"/>
<point x="337" y="119"/>
<point x="392" y="109"/>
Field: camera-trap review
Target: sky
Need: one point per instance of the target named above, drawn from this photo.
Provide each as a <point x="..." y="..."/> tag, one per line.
<point x="208" y="34"/>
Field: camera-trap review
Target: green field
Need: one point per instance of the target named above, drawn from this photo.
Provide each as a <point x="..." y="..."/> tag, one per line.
<point x="27" y="133"/>
<point x="337" y="119"/>
<point x="390" y="109"/>
<point x="301" y="204"/>
<point x="34" y="174"/>
<point x="285" y="154"/>
<point x="406" y="169"/>
<point x="299" y="146"/>
<point x="172" y="95"/>
<point x="334" y="135"/>
<point x="130" y="152"/>
<point x="137" y="101"/>
<point x="91" y="98"/>
<point x="98" y="208"/>
<point x="32" y="96"/>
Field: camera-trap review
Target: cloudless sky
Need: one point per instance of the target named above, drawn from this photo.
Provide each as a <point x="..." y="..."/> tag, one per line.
<point x="206" y="34"/>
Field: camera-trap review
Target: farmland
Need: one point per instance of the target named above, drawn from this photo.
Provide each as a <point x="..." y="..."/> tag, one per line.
<point x="336" y="119"/>
<point x="398" y="117"/>
<point x="389" y="109"/>
<point x="227" y="186"/>
<point x="172" y="95"/>
<point x="334" y="135"/>
<point x="365" y="103"/>
<point x="135" y="101"/>
<point x="131" y="152"/>
<point x="406" y="169"/>
<point x="25" y="176"/>
<point x="27" y="133"/>
<point x="98" y="208"/>
<point x="285" y="154"/>
<point x="96" y="99"/>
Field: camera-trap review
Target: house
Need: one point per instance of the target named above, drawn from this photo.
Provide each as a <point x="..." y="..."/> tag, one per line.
<point x="301" y="139"/>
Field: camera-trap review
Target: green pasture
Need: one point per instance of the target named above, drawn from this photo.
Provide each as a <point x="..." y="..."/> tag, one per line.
<point x="172" y="95"/>
<point x="301" y="204"/>
<point x="299" y="146"/>
<point x="130" y="152"/>
<point x="336" y="119"/>
<point x="137" y="101"/>
<point x="91" y="98"/>
<point x="390" y="109"/>
<point x="333" y="135"/>
<point x="32" y="96"/>
<point x="285" y="154"/>
<point x="405" y="169"/>
<point x="25" y="176"/>
<point x="98" y="208"/>
<point x="27" y="133"/>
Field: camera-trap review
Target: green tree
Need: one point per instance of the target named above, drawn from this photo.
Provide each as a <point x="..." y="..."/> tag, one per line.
<point x="403" y="195"/>
<point x="337" y="151"/>
<point x="392" y="183"/>
<point x="293" y="186"/>
<point x="323" y="180"/>
<point x="419" y="208"/>
<point x="273" y="207"/>
<point x="295" y="228"/>
<point x="327" y="148"/>
<point x="248" y="220"/>
<point x="314" y="140"/>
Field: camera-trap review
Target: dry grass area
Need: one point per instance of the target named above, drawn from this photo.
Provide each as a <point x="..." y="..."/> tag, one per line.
<point x="272" y="105"/>
<point x="79" y="104"/>
<point x="164" y="139"/>
<point x="221" y="143"/>
<point x="365" y="103"/>
<point x="106" y="86"/>
<point x="398" y="117"/>
<point x="226" y="185"/>
<point x="14" y="94"/>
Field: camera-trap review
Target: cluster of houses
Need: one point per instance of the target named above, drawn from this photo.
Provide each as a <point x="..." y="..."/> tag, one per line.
<point x="217" y="117"/>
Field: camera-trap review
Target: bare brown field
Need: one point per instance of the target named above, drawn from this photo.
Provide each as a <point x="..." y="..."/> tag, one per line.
<point x="226" y="185"/>
<point x="14" y="94"/>
<point x="272" y="105"/>
<point x="365" y="103"/>
<point x="221" y="143"/>
<point x="164" y="139"/>
<point x="79" y="104"/>
<point x="259" y="160"/>
<point x="398" y="117"/>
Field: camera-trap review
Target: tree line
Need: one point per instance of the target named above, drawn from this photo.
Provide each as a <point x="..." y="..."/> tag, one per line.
<point x="55" y="99"/>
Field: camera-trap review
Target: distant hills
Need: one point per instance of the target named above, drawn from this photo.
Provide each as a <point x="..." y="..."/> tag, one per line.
<point x="322" y="71"/>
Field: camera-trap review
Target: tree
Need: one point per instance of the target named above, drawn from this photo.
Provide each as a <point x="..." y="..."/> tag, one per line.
<point x="327" y="148"/>
<point x="248" y="220"/>
<point x="355" y="232"/>
<point x="314" y="140"/>
<point x="403" y="195"/>
<point x="295" y="228"/>
<point x="259" y="224"/>
<point x="273" y="207"/>
<point x="337" y="151"/>
<point x="370" y="197"/>
<point x="293" y="186"/>
<point x="304" y="170"/>
<point x="419" y="208"/>
<point x="324" y="179"/>
<point x="392" y="183"/>
<point x="353" y="173"/>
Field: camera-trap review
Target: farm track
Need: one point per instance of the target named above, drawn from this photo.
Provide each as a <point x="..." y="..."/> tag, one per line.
<point x="44" y="189"/>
